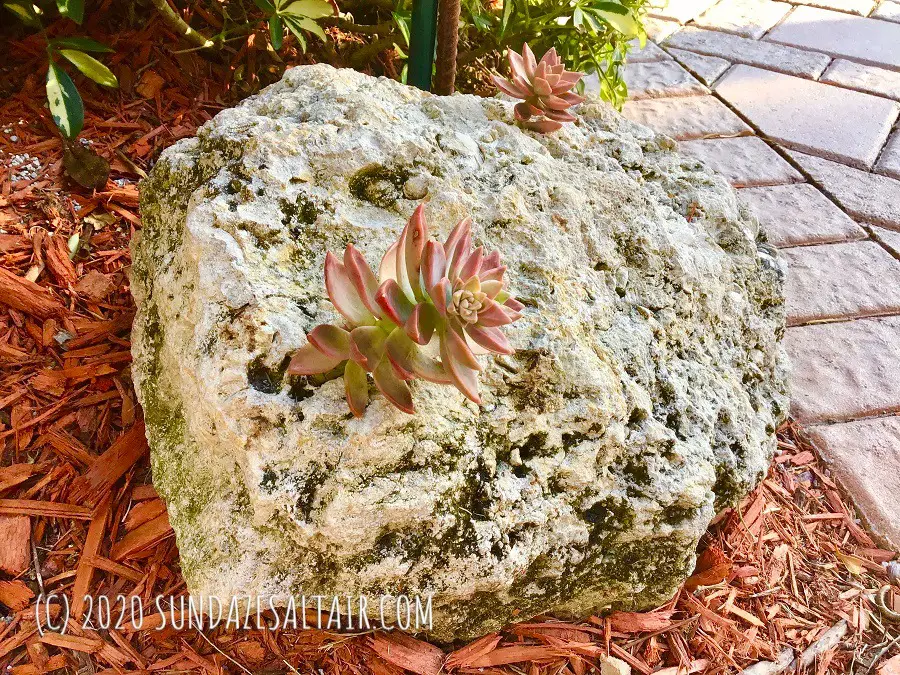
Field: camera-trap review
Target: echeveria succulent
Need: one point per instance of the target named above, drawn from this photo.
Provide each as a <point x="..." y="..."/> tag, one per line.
<point x="544" y="87"/>
<point x="427" y="314"/>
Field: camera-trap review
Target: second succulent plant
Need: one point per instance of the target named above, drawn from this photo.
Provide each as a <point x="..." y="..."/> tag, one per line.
<point x="544" y="87"/>
<point x="426" y="315"/>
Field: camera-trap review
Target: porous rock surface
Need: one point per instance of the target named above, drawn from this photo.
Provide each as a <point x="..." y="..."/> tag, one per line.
<point x="643" y="396"/>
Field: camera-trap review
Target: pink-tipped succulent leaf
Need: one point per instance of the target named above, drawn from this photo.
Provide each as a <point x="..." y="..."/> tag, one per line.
<point x="425" y="292"/>
<point x="544" y="87"/>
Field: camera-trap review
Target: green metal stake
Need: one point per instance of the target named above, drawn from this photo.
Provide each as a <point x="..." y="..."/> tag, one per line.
<point x="423" y="31"/>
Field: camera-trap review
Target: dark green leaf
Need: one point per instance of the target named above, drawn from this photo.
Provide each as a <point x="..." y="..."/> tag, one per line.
<point x="265" y="6"/>
<point x="90" y="67"/>
<point x="73" y="9"/>
<point x="65" y="103"/>
<point x="402" y="21"/>
<point x="82" y="43"/>
<point x="613" y="7"/>
<point x="276" y="31"/>
<point x="507" y="13"/>
<point x="85" y="166"/>
<point x="297" y="30"/>
<point x="312" y="27"/>
<point x="312" y="9"/>
<point x="25" y="12"/>
<point x="623" y="24"/>
<point x="481" y="23"/>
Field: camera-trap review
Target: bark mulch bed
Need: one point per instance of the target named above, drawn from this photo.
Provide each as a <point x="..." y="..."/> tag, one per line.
<point x="790" y="568"/>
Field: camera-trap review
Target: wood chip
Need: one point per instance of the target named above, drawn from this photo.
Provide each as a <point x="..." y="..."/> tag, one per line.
<point x="110" y="466"/>
<point x="94" y="286"/>
<point x="33" y="507"/>
<point x="26" y="296"/>
<point x="15" y="594"/>
<point x="15" y="540"/>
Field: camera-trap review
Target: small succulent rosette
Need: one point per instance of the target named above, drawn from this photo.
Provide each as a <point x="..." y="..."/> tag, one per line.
<point x="544" y="87"/>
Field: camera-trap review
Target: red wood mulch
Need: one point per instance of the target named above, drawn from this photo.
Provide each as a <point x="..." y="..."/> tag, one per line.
<point x="78" y="514"/>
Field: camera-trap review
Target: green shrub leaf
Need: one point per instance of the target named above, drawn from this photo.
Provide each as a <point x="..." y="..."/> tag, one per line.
<point x="90" y="67"/>
<point x="25" y="12"/>
<point x="297" y="30"/>
<point x="276" y="31"/>
<point x="312" y="27"/>
<point x="73" y="9"/>
<point x="313" y="9"/>
<point x="265" y="6"/>
<point x="626" y="24"/>
<point x="613" y="7"/>
<point x="65" y="103"/>
<point x="82" y="43"/>
<point x="402" y="21"/>
<point x="507" y="13"/>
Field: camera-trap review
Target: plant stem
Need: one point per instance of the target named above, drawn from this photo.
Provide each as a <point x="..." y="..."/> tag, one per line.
<point x="448" y="39"/>
<point x="364" y="54"/>
<point x="180" y="26"/>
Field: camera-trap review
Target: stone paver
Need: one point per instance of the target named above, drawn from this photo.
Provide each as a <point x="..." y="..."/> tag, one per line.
<point x="853" y="279"/>
<point x="707" y="69"/>
<point x="869" y="79"/>
<point x="859" y="7"/>
<point x="744" y="162"/>
<point x="863" y="195"/>
<point x="661" y="78"/>
<point x="681" y="11"/>
<point x="889" y="162"/>
<point x="825" y="86"/>
<point x="811" y="116"/>
<point x="794" y="215"/>
<point x="865" y="458"/>
<point x="650" y="52"/>
<point x="846" y="370"/>
<point x="737" y="49"/>
<point x="659" y="29"/>
<point x="889" y="238"/>
<point x="888" y="10"/>
<point x="750" y="18"/>
<point x="865" y="40"/>
<point x="687" y="117"/>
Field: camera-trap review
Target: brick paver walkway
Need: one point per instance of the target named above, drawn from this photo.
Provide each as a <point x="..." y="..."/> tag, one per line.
<point x="796" y="103"/>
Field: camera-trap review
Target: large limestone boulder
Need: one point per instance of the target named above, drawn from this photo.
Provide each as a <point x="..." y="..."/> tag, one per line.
<point x="643" y="396"/>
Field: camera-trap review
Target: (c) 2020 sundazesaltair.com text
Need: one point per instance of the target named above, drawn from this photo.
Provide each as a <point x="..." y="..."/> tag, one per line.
<point x="186" y="612"/>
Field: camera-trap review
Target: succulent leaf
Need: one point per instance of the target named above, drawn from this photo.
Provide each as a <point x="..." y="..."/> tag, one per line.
<point x="367" y="346"/>
<point x="310" y="361"/>
<point x="422" y="322"/>
<point x="343" y="293"/>
<point x="462" y="377"/>
<point x="388" y="268"/>
<point x="434" y="264"/>
<point x="394" y="389"/>
<point x="356" y="388"/>
<point x="406" y="355"/>
<point x="409" y="254"/>
<point x="362" y="277"/>
<point x="491" y="339"/>
<point x="394" y="302"/>
<point x="331" y="341"/>
<point x="458" y="350"/>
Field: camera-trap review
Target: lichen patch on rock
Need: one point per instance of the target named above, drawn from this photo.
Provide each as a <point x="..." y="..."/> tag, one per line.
<point x="643" y="395"/>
